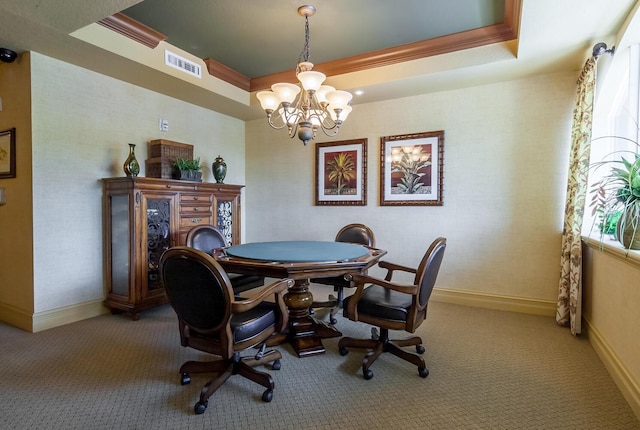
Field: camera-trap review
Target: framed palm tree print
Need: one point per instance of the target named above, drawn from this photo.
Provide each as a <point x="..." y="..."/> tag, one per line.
<point x="341" y="173"/>
<point x="411" y="169"/>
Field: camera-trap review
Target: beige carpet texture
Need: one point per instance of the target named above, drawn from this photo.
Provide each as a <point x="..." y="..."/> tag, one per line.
<point x="488" y="370"/>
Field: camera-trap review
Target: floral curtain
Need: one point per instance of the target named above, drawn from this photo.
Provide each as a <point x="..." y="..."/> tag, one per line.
<point x="569" y="309"/>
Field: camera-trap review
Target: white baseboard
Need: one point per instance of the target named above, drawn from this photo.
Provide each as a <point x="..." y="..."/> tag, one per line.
<point x="68" y="314"/>
<point x="494" y="301"/>
<point x="628" y="387"/>
<point x="49" y="319"/>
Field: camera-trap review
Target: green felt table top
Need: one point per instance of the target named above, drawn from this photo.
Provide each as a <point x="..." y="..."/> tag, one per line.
<point x="298" y="251"/>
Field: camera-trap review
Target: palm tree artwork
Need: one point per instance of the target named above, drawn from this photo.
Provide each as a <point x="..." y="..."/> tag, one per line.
<point x="341" y="171"/>
<point x="412" y="163"/>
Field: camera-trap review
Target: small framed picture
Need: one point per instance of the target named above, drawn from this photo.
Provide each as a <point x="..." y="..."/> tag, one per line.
<point x="341" y="173"/>
<point x="411" y="169"/>
<point x="8" y="153"/>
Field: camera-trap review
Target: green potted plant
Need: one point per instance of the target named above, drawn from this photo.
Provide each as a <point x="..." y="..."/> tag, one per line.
<point x="188" y="170"/>
<point x="619" y="192"/>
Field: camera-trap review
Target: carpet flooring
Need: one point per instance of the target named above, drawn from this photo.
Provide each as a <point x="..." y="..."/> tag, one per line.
<point x="488" y="370"/>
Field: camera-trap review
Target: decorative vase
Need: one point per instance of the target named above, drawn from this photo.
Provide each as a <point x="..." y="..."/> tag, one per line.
<point x="219" y="168"/>
<point x="131" y="165"/>
<point x="628" y="229"/>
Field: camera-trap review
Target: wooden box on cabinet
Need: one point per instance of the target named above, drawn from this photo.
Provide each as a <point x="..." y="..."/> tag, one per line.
<point x="145" y="216"/>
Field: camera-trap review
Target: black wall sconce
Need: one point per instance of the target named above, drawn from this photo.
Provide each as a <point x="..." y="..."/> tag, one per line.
<point x="7" y="55"/>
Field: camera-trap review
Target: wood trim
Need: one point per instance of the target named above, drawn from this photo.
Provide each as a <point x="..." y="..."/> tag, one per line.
<point x="508" y="30"/>
<point x="227" y="74"/>
<point x="133" y="29"/>
<point x="512" y="10"/>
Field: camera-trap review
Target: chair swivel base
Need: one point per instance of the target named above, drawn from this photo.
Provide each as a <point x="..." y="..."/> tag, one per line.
<point x="379" y="344"/>
<point x="234" y="366"/>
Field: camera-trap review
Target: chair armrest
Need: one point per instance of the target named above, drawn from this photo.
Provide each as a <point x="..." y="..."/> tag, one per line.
<point x="271" y="289"/>
<point x="362" y="280"/>
<point x="391" y="267"/>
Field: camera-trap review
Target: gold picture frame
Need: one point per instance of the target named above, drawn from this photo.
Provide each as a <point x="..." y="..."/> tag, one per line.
<point x="411" y="169"/>
<point x="341" y="173"/>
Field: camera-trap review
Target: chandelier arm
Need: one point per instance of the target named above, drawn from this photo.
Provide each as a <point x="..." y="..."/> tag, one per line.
<point x="274" y="126"/>
<point x="293" y="129"/>
<point x="330" y="131"/>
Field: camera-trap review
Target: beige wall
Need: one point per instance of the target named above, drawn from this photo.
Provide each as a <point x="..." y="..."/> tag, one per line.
<point x="611" y="296"/>
<point x="16" y="258"/>
<point x="505" y="160"/>
<point x="82" y="123"/>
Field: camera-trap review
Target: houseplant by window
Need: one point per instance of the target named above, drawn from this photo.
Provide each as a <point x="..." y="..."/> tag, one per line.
<point x="187" y="170"/>
<point x="620" y="191"/>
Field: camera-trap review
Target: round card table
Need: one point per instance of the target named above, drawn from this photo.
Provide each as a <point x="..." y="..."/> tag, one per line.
<point x="300" y="260"/>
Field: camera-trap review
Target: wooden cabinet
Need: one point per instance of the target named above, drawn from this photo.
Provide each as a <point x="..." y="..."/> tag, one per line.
<point x="145" y="216"/>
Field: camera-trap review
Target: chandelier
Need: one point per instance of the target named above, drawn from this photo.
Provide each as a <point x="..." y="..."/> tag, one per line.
<point x="308" y="106"/>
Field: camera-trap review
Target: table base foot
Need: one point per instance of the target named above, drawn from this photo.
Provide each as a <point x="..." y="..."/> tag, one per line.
<point x="305" y="336"/>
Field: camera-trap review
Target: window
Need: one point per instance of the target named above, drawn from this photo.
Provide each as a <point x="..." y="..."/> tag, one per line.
<point x="615" y="125"/>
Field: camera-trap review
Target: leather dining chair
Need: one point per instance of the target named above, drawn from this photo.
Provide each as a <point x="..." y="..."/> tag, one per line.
<point x="212" y="320"/>
<point x="351" y="233"/>
<point x="391" y="305"/>
<point x="206" y="238"/>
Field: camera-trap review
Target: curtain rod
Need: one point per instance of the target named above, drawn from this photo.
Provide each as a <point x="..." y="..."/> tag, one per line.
<point x="601" y="48"/>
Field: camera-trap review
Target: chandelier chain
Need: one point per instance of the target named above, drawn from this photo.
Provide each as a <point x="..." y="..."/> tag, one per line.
<point x="304" y="55"/>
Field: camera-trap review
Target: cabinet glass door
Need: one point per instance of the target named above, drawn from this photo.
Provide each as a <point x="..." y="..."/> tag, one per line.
<point x="157" y="226"/>
<point x="224" y="219"/>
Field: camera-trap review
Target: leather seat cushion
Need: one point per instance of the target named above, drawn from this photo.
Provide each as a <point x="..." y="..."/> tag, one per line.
<point x="382" y="303"/>
<point x="242" y="283"/>
<point x="249" y="324"/>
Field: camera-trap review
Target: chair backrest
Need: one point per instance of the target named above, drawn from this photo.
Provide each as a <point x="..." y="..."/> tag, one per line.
<point x="205" y="238"/>
<point x="356" y="233"/>
<point x="427" y="271"/>
<point x="197" y="288"/>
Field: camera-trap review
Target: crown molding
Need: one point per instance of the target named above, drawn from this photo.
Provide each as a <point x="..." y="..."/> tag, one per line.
<point x="133" y="29"/>
<point x="227" y="74"/>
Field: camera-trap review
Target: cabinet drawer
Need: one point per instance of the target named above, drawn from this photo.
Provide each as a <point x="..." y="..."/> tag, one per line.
<point x="188" y="222"/>
<point x="195" y="205"/>
<point x="195" y="197"/>
<point x="195" y="209"/>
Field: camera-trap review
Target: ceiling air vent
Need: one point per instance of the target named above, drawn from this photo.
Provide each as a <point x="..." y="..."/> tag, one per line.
<point x="176" y="61"/>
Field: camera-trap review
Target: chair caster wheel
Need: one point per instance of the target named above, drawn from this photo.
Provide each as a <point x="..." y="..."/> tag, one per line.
<point x="368" y="374"/>
<point x="267" y="396"/>
<point x="423" y="372"/>
<point x="332" y="320"/>
<point x="185" y="379"/>
<point x="276" y="365"/>
<point x="200" y="407"/>
<point x="343" y="351"/>
<point x="420" y="349"/>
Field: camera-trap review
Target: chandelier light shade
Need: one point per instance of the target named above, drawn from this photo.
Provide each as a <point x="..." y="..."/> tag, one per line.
<point x="308" y="106"/>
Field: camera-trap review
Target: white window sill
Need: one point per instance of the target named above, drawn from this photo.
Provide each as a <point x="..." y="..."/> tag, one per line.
<point x="614" y="248"/>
